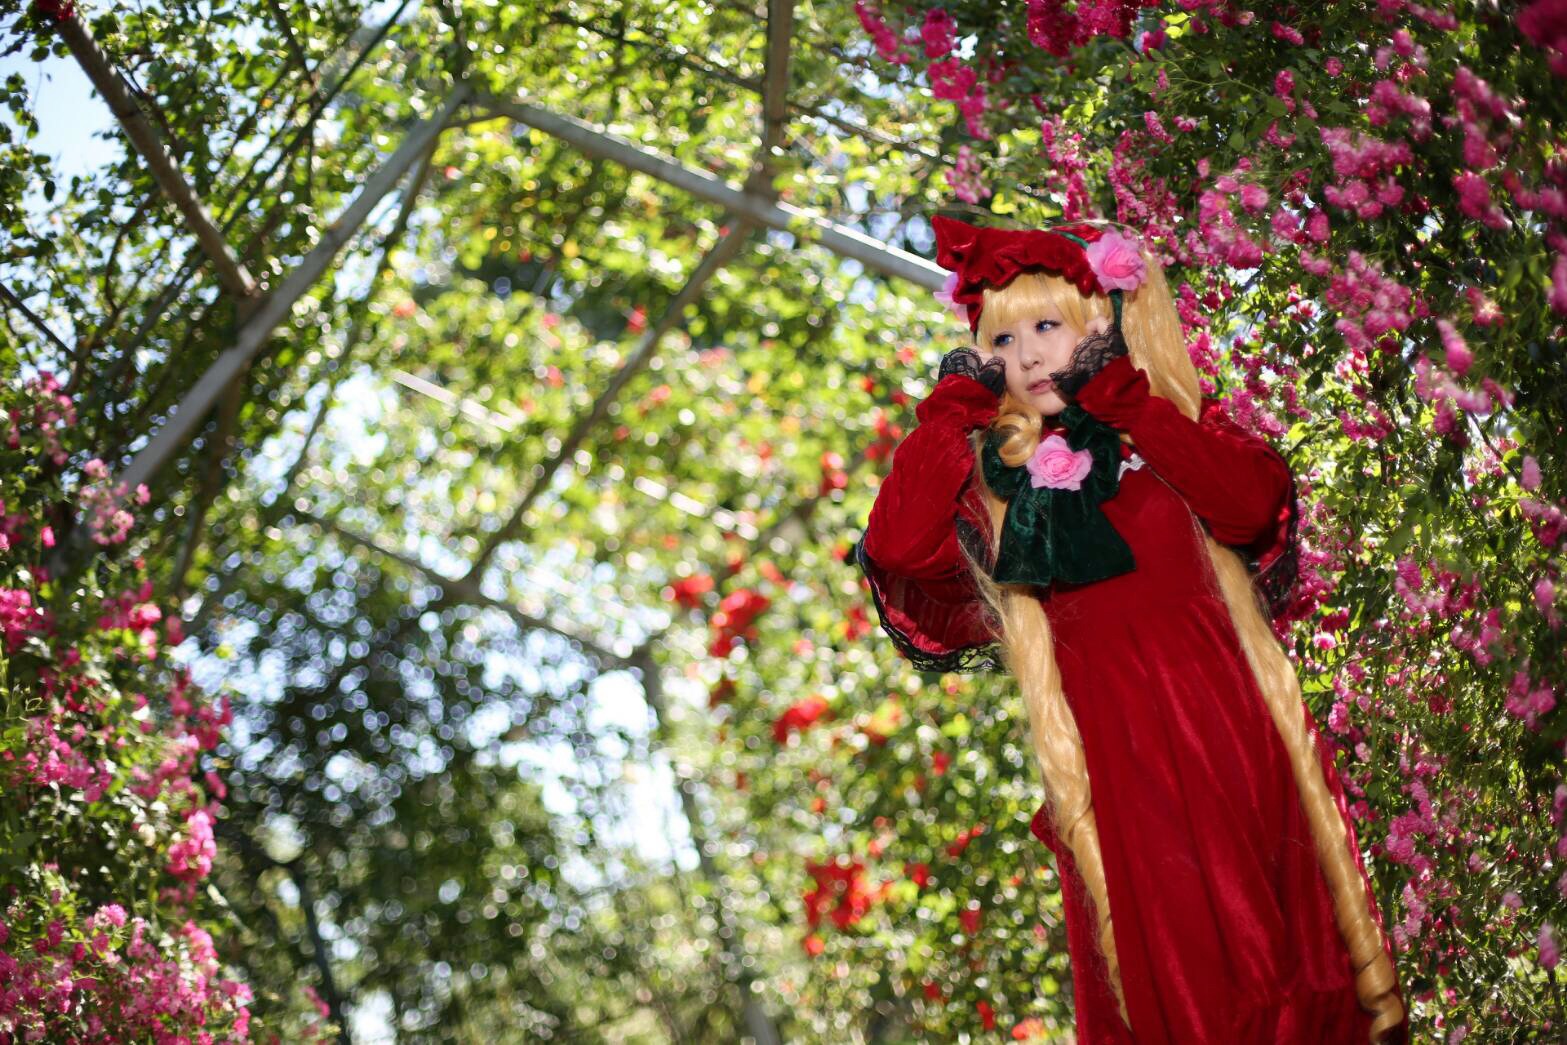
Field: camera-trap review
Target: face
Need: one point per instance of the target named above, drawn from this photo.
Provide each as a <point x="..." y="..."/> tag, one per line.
<point x="1031" y="348"/>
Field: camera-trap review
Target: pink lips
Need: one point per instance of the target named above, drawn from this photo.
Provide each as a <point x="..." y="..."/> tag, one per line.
<point x="1039" y="386"/>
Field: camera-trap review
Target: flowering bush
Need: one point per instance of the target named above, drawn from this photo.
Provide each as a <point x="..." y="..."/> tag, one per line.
<point x="106" y="831"/>
<point x="1368" y="247"/>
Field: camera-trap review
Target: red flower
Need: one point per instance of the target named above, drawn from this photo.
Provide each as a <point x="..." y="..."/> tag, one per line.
<point x="957" y="847"/>
<point x="841" y="892"/>
<point x="833" y="475"/>
<point x="887" y="436"/>
<point x="59" y="10"/>
<point x="771" y="571"/>
<point x="688" y="591"/>
<point x="858" y="625"/>
<point x="800" y="715"/>
<point x="733" y="619"/>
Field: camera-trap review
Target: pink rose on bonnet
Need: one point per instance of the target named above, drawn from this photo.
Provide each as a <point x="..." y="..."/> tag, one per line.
<point x="1058" y="466"/>
<point x="1116" y="261"/>
<point x="944" y="295"/>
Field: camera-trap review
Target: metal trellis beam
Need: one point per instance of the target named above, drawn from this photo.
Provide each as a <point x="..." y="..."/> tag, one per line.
<point x="277" y="305"/>
<point x="840" y="239"/>
<point x="230" y="270"/>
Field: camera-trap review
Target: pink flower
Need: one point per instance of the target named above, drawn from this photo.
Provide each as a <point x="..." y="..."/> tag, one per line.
<point x="1458" y="355"/>
<point x="944" y="295"/>
<point x="888" y="45"/>
<point x="109" y="914"/>
<point x="1544" y="594"/>
<point x="1531" y="473"/>
<point x="1545" y="24"/>
<point x="190" y="857"/>
<point x="1117" y="262"/>
<point x="1550" y="950"/>
<point x="1317" y="227"/>
<point x="1058" y="466"/>
<point x="938" y="32"/>
<point x="1558" y="297"/>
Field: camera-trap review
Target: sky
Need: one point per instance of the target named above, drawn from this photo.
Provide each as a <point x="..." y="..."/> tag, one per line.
<point x="70" y="115"/>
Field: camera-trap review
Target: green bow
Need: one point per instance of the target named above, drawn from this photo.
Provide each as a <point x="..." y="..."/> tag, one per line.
<point x="1052" y="534"/>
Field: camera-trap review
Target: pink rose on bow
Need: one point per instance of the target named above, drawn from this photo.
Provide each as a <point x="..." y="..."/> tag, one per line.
<point x="1058" y="466"/>
<point x="1116" y="261"/>
<point x="944" y="295"/>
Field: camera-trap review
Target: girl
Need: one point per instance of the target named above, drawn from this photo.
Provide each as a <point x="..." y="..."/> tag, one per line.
<point x="1070" y="509"/>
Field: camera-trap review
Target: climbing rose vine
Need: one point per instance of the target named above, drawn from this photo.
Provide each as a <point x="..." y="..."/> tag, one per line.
<point x="1362" y="210"/>
<point x="106" y="807"/>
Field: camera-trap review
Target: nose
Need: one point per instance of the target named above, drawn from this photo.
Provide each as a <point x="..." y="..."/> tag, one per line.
<point x="1030" y="352"/>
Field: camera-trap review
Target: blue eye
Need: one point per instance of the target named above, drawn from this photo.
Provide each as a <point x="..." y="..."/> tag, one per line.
<point x="1043" y="323"/>
<point x="1000" y="339"/>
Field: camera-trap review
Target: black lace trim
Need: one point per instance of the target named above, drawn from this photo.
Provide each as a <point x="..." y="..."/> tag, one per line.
<point x="1277" y="582"/>
<point x="992" y="372"/>
<point x="964" y="660"/>
<point x="974" y="543"/>
<point x="1088" y="358"/>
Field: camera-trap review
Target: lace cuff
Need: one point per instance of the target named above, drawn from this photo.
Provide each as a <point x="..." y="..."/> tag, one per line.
<point x="938" y="626"/>
<point x="1088" y="358"/>
<point x="992" y="372"/>
<point x="1276" y="569"/>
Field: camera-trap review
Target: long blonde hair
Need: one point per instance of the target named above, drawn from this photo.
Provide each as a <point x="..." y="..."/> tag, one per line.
<point x="1157" y="346"/>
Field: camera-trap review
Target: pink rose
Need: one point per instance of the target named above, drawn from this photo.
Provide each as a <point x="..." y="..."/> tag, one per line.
<point x="1116" y="261"/>
<point x="1531" y="473"/>
<point x="1058" y="466"/>
<point x="944" y="295"/>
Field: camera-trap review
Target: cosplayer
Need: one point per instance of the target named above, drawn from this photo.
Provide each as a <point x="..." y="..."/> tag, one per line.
<point x="1071" y="510"/>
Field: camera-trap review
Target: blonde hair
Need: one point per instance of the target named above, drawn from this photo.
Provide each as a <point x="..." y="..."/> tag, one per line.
<point x="1157" y="346"/>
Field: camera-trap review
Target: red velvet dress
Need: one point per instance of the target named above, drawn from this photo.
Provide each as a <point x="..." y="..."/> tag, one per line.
<point x="1222" y="917"/>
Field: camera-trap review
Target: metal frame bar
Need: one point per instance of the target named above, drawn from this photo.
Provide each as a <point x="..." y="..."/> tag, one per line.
<point x="230" y="270"/>
<point x="280" y="303"/>
<point x="840" y="239"/>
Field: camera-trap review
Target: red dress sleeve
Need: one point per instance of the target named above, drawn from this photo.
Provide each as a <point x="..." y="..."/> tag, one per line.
<point x="920" y="584"/>
<point x="1241" y="488"/>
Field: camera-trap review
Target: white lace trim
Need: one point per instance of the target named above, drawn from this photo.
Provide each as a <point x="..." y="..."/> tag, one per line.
<point x="1135" y="461"/>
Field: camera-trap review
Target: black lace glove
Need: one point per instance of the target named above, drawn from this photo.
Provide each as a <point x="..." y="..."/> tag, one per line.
<point x="992" y="372"/>
<point x="1090" y="355"/>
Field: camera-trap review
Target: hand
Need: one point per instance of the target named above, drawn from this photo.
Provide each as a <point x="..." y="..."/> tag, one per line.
<point x="983" y="366"/>
<point x="1102" y="343"/>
